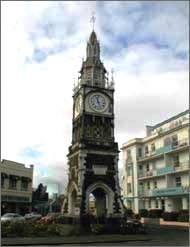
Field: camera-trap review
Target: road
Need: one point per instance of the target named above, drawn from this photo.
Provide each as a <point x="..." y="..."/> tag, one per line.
<point x="156" y="237"/>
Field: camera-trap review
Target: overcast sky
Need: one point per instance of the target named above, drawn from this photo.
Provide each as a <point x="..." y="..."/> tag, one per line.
<point x="43" y="44"/>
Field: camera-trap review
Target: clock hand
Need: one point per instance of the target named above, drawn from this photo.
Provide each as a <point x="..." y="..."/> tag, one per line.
<point x="98" y="101"/>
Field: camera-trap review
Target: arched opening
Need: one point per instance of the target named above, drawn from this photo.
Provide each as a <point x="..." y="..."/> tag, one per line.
<point x="99" y="198"/>
<point x="72" y="199"/>
<point x="100" y="202"/>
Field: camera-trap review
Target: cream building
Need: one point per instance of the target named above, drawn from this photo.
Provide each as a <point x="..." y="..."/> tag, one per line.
<point x="16" y="187"/>
<point x="157" y="167"/>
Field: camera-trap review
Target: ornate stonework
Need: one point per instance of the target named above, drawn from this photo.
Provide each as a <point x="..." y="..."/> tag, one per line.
<point x="93" y="155"/>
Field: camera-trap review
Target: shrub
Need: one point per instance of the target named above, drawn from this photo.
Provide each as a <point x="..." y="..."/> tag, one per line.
<point x="155" y="213"/>
<point x="137" y="216"/>
<point x="97" y="228"/>
<point x="170" y="216"/>
<point x="183" y="216"/>
<point x="128" y="212"/>
<point x="143" y="212"/>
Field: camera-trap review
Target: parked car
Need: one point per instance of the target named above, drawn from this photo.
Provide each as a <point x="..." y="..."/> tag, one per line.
<point x="12" y="217"/>
<point x="33" y="216"/>
<point x="134" y="225"/>
<point x="50" y="217"/>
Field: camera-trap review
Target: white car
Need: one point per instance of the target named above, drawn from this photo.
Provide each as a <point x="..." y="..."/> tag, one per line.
<point x="12" y="217"/>
<point x="33" y="216"/>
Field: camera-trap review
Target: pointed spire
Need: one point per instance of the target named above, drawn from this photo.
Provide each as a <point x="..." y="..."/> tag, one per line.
<point x="93" y="19"/>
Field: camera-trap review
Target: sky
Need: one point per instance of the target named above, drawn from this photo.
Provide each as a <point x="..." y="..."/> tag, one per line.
<point x="42" y="47"/>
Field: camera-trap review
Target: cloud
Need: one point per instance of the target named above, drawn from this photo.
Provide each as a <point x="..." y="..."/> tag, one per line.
<point x="42" y="48"/>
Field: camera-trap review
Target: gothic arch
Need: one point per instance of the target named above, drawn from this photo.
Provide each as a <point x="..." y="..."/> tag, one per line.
<point x="107" y="190"/>
<point x="73" y="190"/>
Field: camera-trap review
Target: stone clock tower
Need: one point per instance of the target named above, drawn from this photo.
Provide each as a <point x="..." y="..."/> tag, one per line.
<point x="93" y="155"/>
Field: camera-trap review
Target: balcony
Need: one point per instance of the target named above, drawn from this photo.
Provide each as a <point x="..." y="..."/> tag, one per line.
<point x="163" y="149"/>
<point x="182" y="166"/>
<point x="165" y="170"/>
<point x="178" y="144"/>
<point x="172" y="191"/>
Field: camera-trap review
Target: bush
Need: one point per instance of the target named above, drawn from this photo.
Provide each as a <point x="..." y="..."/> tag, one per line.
<point x="97" y="228"/>
<point x="170" y="216"/>
<point x="137" y="216"/>
<point x="37" y="229"/>
<point x="128" y="212"/>
<point x="143" y="213"/>
<point x="155" y="213"/>
<point x="183" y="216"/>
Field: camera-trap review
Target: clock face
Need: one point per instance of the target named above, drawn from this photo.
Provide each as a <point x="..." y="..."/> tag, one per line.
<point x="98" y="102"/>
<point x="78" y="105"/>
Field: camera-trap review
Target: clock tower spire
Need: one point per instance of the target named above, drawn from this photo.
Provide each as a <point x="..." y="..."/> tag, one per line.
<point x="93" y="154"/>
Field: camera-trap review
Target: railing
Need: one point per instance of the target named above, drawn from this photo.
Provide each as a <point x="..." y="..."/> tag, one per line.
<point x="182" y="166"/>
<point x="180" y="143"/>
<point x="173" y="126"/>
<point x="164" y="149"/>
<point x="165" y="191"/>
<point x="171" y="191"/>
<point x="165" y="170"/>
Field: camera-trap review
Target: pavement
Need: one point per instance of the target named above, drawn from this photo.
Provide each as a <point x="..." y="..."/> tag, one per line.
<point x="154" y="237"/>
<point x="91" y="239"/>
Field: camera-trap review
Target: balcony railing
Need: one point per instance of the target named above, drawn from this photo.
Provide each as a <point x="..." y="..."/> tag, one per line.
<point x="165" y="170"/>
<point x="171" y="191"/>
<point x="182" y="166"/>
<point x="165" y="191"/>
<point x="167" y="148"/>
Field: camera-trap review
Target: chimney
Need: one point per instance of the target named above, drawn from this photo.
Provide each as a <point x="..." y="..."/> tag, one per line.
<point x="149" y="130"/>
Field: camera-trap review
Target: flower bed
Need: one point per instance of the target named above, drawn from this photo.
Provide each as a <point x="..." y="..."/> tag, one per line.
<point x="37" y="229"/>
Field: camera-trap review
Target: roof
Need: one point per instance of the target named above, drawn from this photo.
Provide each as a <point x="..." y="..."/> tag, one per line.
<point x="170" y="119"/>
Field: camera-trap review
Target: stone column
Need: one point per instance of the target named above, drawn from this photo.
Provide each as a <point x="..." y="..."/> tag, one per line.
<point x="159" y="203"/>
<point x="169" y="207"/>
<point x="185" y="203"/>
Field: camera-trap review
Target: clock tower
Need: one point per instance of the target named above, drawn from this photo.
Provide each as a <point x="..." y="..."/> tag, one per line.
<point x="93" y="155"/>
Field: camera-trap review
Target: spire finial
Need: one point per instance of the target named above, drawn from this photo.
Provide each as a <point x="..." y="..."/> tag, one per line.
<point x="93" y="19"/>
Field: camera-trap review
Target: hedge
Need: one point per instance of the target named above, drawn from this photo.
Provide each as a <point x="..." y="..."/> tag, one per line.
<point x="143" y="212"/>
<point x="170" y="216"/>
<point x="155" y="213"/>
<point x="183" y="216"/>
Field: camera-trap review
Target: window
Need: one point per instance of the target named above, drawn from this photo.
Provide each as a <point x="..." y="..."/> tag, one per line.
<point x="129" y="188"/>
<point x="178" y="181"/>
<point x="167" y="141"/>
<point x="156" y="203"/>
<point x="24" y="185"/>
<point x="163" y="204"/>
<point x="174" y="140"/>
<point x="139" y="152"/>
<point x="128" y="171"/>
<point x="140" y="167"/>
<point x="176" y="160"/>
<point x="147" y="168"/>
<point x="128" y="153"/>
<point x="155" y="184"/>
<point x="148" y="185"/>
<point x="153" y="147"/>
<point x="12" y="184"/>
<point x="146" y="149"/>
<point x="149" y="203"/>
<point x="2" y="182"/>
